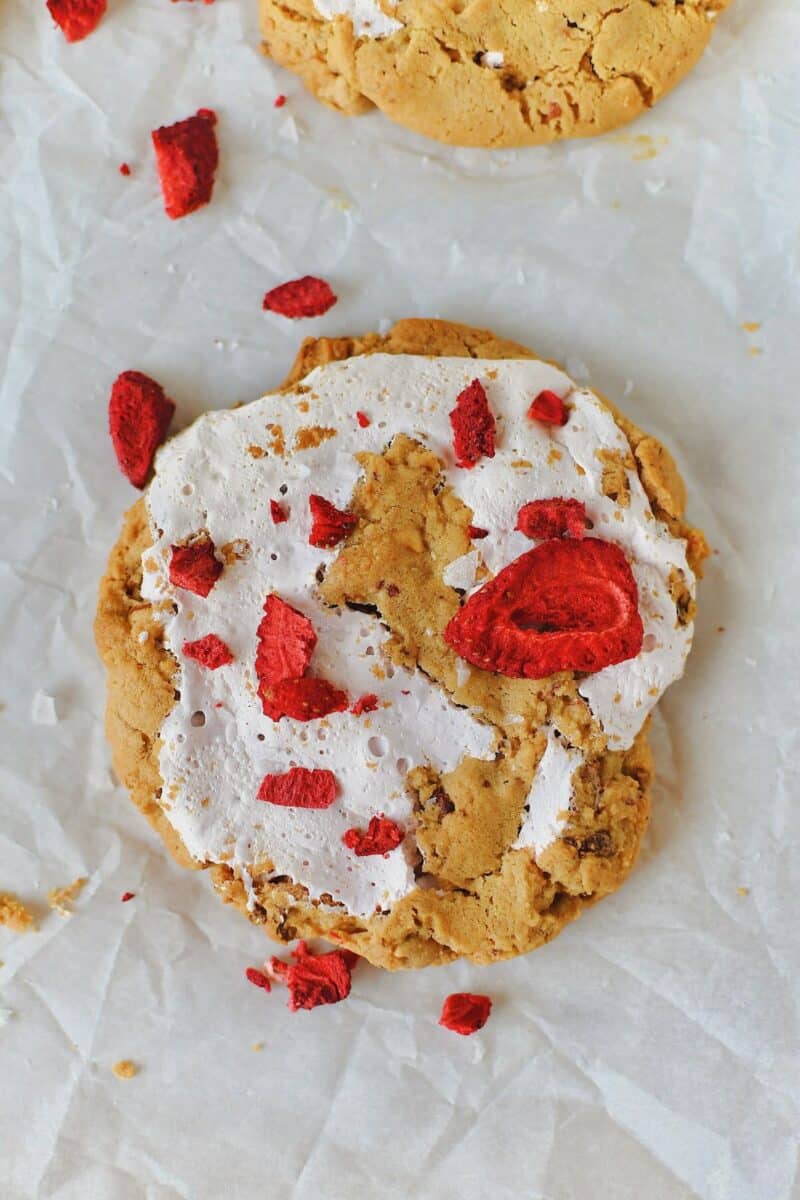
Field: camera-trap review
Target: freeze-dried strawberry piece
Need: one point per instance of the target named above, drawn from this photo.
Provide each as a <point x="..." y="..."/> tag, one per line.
<point x="210" y="651"/>
<point x="195" y="567"/>
<point x="315" y="979"/>
<point x="363" y="419"/>
<point x="279" y="101"/>
<point x="543" y="519"/>
<point x="124" y="169"/>
<point x="476" y="533"/>
<point x="329" y="525"/>
<point x="549" y="408"/>
<point x="381" y="836"/>
<point x="258" y="978"/>
<point x="126" y="896"/>
<point x="285" y="640"/>
<point x="306" y="297"/>
<point x="465" y="1013"/>
<point x="187" y="157"/>
<point x="563" y="606"/>
<point x="473" y="426"/>
<point x="306" y="699"/>
<point x="365" y="704"/>
<point x="278" y="512"/>
<point x="138" y="419"/>
<point x="299" y="788"/>
<point x="76" y="18"/>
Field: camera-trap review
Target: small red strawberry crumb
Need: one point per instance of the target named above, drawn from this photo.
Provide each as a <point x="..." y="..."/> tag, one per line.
<point x="126" y="896"/>
<point x="285" y="643"/>
<point x="299" y="788"/>
<point x="278" y="512"/>
<point x="381" y="837"/>
<point x="363" y="419"/>
<point x="258" y="978"/>
<point x="465" y="1013"/>
<point x="187" y="156"/>
<point x="139" y="414"/>
<point x="542" y="519"/>
<point x="195" y="567"/>
<point x="405" y="692"/>
<point x="315" y="979"/>
<point x="124" y="169"/>
<point x="473" y="426"/>
<point x="279" y="101"/>
<point x="210" y="651"/>
<point x="306" y="699"/>
<point x="549" y="408"/>
<point x="76" y="18"/>
<point x="476" y="533"/>
<point x="329" y="525"/>
<point x="306" y="297"/>
<point x="365" y="704"/>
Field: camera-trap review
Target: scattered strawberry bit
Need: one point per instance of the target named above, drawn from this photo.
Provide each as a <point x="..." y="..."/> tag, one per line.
<point x="365" y="704"/>
<point x="549" y="408"/>
<point x="381" y="837"/>
<point x="405" y="692"/>
<point x="315" y="979"/>
<point x="473" y="426"/>
<point x="126" y="896"/>
<point x="299" y="788"/>
<point x="76" y="18"/>
<point x="258" y="978"/>
<point x="210" y="651"/>
<point x="543" y="519"/>
<point x="465" y="1013"/>
<point x="363" y="419"/>
<point x="139" y="414"/>
<point x="392" y="589"/>
<point x="329" y="525"/>
<point x="476" y="533"/>
<point x="285" y="641"/>
<point x="306" y="297"/>
<point x="187" y="157"/>
<point x="124" y="169"/>
<point x="195" y="567"/>
<point x="278" y="512"/>
<point x="563" y="606"/>
<point x="279" y="101"/>
<point x="306" y="699"/>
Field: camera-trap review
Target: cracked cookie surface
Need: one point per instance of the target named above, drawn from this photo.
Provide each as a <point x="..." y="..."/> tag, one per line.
<point x="480" y="886"/>
<point x="489" y="73"/>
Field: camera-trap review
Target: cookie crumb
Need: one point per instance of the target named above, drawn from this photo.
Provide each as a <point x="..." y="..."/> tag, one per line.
<point x="14" y="915"/>
<point x="61" y="898"/>
<point x="751" y="326"/>
<point x="125" y="1069"/>
<point x="743" y="891"/>
<point x="258" y="1047"/>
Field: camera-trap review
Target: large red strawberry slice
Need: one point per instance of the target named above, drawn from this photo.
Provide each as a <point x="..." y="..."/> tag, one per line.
<point x="563" y="606"/>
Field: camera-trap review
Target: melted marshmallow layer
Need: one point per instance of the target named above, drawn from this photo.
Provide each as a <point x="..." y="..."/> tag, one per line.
<point x="220" y="475"/>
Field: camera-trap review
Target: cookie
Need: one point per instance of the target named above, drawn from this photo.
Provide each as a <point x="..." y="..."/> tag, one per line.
<point x="326" y="626"/>
<point x="485" y="74"/>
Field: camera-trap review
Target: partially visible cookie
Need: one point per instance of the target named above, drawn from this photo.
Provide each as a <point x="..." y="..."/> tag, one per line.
<point x="313" y="690"/>
<point x="488" y="74"/>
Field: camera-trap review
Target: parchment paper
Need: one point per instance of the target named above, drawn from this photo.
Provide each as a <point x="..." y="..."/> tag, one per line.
<point x="651" y="1051"/>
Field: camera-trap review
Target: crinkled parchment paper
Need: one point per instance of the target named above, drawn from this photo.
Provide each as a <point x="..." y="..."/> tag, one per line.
<point x="651" y="1052"/>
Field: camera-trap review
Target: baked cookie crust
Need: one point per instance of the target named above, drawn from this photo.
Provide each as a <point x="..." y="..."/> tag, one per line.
<point x="479" y="898"/>
<point x="492" y="74"/>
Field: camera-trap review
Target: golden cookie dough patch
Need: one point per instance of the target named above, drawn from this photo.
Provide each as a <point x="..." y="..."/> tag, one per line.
<point x="525" y="72"/>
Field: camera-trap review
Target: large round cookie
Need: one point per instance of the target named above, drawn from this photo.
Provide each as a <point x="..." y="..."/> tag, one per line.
<point x="520" y="801"/>
<point x="489" y="74"/>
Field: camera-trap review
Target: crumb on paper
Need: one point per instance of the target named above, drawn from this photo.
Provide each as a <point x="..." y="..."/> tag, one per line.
<point x="751" y="326"/>
<point x="61" y="898"/>
<point x="258" y="1046"/>
<point x="125" y="1069"/>
<point x="14" y="915"/>
<point x="43" y="709"/>
<point x="754" y="351"/>
<point x="743" y="891"/>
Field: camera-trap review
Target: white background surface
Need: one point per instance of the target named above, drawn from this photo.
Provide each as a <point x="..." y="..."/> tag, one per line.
<point x="651" y="1051"/>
